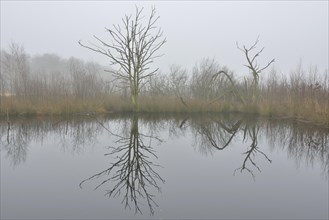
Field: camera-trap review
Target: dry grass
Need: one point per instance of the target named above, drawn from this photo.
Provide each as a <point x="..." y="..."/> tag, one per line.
<point x="304" y="109"/>
<point x="302" y="98"/>
<point x="307" y="109"/>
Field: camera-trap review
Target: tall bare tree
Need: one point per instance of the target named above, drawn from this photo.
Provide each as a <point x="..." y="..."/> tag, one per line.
<point x="133" y="47"/>
<point x="252" y="65"/>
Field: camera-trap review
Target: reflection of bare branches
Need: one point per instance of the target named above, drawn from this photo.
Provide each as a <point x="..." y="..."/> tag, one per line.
<point x="182" y="123"/>
<point x="73" y="133"/>
<point x="178" y="123"/>
<point x="8" y="132"/>
<point x="218" y="134"/>
<point x="308" y="145"/>
<point x="215" y="134"/>
<point x="252" y="151"/>
<point x="304" y="143"/>
<point x="132" y="175"/>
<point x="232" y="131"/>
<point x="77" y="134"/>
<point x="17" y="143"/>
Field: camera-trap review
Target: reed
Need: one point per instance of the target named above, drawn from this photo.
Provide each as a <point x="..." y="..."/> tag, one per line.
<point x="308" y="110"/>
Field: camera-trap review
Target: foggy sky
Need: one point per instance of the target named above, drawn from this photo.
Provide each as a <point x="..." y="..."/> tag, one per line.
<point x="291" y="31"/>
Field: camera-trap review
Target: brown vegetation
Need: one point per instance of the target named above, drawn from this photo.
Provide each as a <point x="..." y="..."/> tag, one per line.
<point x="79" y="88"/>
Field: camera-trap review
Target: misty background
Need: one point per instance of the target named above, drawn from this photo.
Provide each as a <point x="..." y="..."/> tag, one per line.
<point x="291" y="32"/>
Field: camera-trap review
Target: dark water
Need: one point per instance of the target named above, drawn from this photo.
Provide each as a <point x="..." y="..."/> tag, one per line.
<point x="224" y="166"/>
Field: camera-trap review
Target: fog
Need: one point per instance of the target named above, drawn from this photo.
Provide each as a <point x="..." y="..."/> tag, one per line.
<point x="291" y="32"/>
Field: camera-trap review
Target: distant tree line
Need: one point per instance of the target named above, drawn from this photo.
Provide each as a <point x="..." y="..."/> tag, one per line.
<point x="45" y="78"/>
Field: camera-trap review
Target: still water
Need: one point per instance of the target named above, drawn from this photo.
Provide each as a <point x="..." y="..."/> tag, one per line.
<point x="129" y="166"/>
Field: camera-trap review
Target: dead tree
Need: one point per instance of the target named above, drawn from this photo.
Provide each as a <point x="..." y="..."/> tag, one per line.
<point x="133" y="47"/>
<point x="233" y="89"/>
<point x="252" y="65"/>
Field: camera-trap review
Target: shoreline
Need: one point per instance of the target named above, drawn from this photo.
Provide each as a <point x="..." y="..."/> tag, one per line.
<point x="280" y="117"/>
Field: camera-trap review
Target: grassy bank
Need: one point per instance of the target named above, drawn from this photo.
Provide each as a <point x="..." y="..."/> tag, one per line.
<point x="307" y="110"/>
<point x="75" y="87"/>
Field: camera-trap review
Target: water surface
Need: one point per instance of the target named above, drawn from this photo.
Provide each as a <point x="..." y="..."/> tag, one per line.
<point x="129" y="166"/>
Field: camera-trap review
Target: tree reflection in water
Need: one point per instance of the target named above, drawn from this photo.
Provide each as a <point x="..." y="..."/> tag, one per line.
<point x="133" y="173"/>
<point x="304" y="143"/>
<point x="218" y="133"/>
<point x="72" y="134"/>
<point x="253" y="150"/>
<point x="16" y="142"/>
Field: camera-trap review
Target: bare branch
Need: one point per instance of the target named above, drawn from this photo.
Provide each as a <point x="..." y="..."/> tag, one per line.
<point x="272" y="61"/>
<point x="253" y="66"/>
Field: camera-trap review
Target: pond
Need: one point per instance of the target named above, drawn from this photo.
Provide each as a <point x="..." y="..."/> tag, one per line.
<point x="163" y="166"/>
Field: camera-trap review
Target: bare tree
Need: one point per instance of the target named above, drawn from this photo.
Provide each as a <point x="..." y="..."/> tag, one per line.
<point x="3" y="83"/>
<point x="15" y="72"/>
<point x="203" y="85"/>
<point x="253" y="66"/>
<point x="132" y="49"/>
<point x="178" y="80"/>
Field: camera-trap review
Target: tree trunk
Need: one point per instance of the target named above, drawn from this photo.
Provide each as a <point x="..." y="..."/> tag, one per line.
<point x="134" y="96"/>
